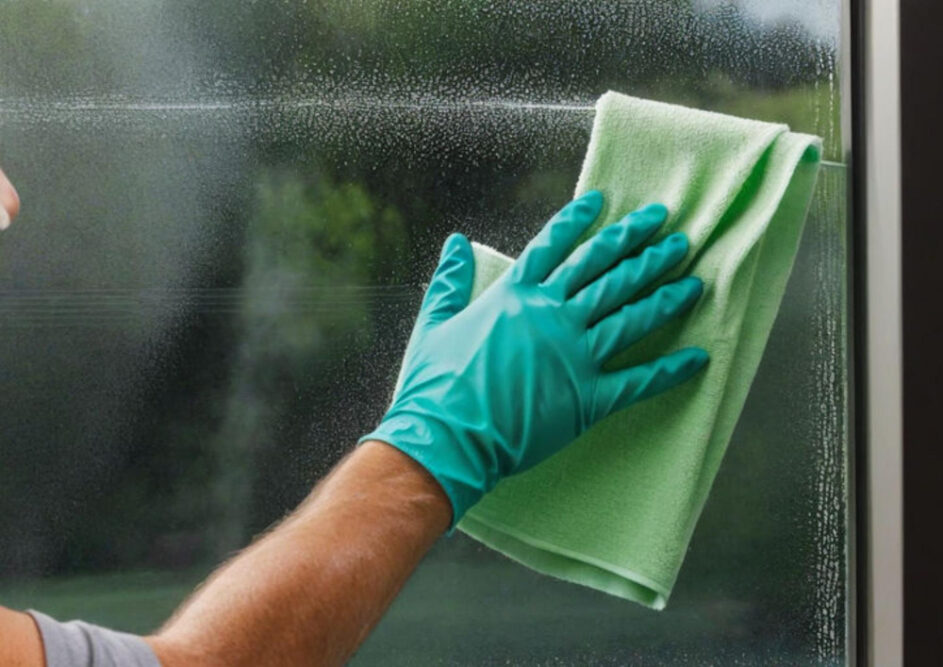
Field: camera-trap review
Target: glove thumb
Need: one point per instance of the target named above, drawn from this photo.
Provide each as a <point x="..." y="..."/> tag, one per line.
<point x="450" y="289"/>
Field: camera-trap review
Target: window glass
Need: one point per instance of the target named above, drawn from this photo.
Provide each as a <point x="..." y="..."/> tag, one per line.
<point x="230" y="210"/>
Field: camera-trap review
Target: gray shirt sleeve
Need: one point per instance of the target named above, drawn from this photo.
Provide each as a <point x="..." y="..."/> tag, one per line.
<point x="78" y="644"/>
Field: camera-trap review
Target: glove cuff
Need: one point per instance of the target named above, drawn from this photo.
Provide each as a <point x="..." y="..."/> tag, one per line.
<point x="449" y="456"/>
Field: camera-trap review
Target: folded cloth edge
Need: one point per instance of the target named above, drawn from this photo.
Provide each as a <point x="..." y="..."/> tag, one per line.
<point x="567" y="565"/>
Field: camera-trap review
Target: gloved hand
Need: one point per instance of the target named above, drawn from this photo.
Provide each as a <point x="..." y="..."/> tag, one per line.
<point x="493" y="387"/>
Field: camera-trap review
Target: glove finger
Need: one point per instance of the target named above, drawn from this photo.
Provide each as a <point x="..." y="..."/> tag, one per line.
<point x="634" y="321"/>
<point x="621" y="389"/>
<point x="450" y="289"/>
<point x="555" y="241"/>
<point x="629" y="277"/>
<point x="606" y="248"/>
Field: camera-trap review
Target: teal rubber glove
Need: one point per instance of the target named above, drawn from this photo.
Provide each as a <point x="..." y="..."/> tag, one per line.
<point x="493" y="387"/>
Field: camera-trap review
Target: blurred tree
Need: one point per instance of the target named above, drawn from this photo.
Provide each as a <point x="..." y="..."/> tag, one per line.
<point x="312" y="251"/>
<point x="45" y="48"/>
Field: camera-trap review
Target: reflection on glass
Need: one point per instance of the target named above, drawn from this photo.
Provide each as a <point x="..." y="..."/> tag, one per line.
<point x="230" y="212"/>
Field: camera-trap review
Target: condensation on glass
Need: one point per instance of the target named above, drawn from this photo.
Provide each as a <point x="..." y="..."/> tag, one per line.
<point x="230" y="210"/>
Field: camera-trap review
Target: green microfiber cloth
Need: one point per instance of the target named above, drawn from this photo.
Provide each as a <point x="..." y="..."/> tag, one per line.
<point x="616" y="509"/>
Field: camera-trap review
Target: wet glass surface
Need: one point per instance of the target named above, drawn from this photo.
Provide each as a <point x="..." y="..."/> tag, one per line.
<point x="229" y="215"/>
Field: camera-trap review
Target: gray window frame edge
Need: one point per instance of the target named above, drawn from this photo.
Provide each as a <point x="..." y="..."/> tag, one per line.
<point x="872" y="144"/>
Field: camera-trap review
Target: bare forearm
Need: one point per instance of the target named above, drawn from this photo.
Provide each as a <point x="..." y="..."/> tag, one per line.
<point x="20" y="645"/>
<point x="311" y="590"/>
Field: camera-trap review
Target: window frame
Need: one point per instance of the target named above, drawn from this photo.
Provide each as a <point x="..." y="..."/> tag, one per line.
<point x="872" y="80"/>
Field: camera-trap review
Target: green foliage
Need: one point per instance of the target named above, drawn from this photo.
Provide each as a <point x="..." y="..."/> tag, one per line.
<point x="307" y="245"/>
<point x="44" y="45"/>
<point x="311" y="252"/>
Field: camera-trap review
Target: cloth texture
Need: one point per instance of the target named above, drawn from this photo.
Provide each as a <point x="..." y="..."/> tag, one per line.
<point x="79" y="644"/>
<point x="616" y="509"/>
